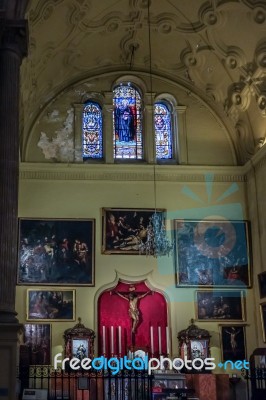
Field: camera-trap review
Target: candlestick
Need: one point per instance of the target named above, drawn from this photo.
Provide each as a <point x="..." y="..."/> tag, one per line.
<point x="167" y="341"/>
<point x="152" y="343"/>
<point x="119" y="340"/>
<point x="160" y="340"/>
<point x="104" y="348"/>
<point x="112" y="340"/>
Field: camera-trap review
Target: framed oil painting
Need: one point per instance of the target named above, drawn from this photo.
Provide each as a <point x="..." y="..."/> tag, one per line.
<point x="51" y="305"/>
<point x="262" y="284"/>
<point x="37" y="338"/>
<point x="220" y="305"/>
<point x="213" y="253"/>
<point x="233" y="342"/>
<point x="56" y="252"/>
<point x="124" y="229"/>
<point x="263" y="320"/>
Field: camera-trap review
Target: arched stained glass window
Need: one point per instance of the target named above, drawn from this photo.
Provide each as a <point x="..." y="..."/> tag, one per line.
<point x="127" y="123"/>
<point x="163" y="131"/>
<point x="92" y="125"/>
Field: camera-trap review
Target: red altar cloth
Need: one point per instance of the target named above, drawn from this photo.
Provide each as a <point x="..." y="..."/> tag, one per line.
<point x="113" y="311"/>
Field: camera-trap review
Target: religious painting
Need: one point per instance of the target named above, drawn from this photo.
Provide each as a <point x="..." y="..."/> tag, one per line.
<point x="127" y="123"/>
<point x="37" y="338"/>
<point x="126" y="230"/>
<point x="213" y="253"/>
<point x="220" y="305"/>
<point x="233" y="342"/>
<point x="263" y="320"/>
<point x="80" y="348"/>
<point x="51" y="305"/>
<point x="262" y="284"/>
<point x="56" y="252"/>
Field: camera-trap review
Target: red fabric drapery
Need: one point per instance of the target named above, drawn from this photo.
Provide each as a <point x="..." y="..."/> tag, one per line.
<point x="113" y="312"/>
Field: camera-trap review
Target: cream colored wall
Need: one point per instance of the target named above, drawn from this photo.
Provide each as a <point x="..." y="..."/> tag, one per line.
<point x="73" y="191"/>
<point x="256" y="200"/>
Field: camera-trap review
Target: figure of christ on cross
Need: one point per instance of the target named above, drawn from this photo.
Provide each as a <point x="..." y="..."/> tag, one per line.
<point x="133" y="299"/>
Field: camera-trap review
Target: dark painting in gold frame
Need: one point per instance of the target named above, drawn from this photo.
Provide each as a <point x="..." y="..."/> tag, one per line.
<point x="51" y="305"/>
<point x="125" y="229"/>
<point x="220" y="305"/>
<point x="56" y="252"/>
<point x="213" y="253"/>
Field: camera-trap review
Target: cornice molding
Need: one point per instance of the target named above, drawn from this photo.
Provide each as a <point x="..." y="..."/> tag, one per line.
<point x="122" y="172"/>
<point x="257" y="161"/>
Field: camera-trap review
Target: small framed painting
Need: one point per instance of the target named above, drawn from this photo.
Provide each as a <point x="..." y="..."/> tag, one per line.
<point x="263" y="320"/>
<point x="37" y="337"/>
<point x="215" y="305"/>
<point x="262" y="284"/>
<point x="51" y="305"/>
<point x="233" y="342"/>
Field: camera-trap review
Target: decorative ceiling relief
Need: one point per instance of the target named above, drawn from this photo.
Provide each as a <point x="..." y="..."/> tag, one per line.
<point x="246" y="144"/>
<point x="214" y="49"/>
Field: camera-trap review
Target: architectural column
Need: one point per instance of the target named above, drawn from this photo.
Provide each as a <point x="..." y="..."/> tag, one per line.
<point x="108" y="127"/>
<point x="13" y="46"/>
<point x="182" y="147"/>
<point x="148" y="128"/>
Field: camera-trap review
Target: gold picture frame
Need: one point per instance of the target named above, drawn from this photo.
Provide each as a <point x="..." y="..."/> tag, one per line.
<point x="213" y="253"/>
<point x="220" y="305"/>
<point x="263" y="320"/>
<point x="56" y="252"/>
<point x="51" y="305"/>
<point x="233" y="342"/>
<point x="124" y="229"/>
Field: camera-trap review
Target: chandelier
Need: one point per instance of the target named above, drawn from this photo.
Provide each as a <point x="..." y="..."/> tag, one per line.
<point x="157" y="243"/>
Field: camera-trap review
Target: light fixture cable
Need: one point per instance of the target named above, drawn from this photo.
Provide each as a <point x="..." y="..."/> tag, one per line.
<point x="157" y="243"/>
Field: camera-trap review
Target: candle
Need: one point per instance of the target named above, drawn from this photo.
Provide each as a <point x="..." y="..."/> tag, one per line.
<point x="119" y="340"/>
<point x="112" y="340"/>
<point x="104" y="348"/>
<point x="167" y="341"/>
<point x="152" y="344"/>
<point x="160" y="340"/>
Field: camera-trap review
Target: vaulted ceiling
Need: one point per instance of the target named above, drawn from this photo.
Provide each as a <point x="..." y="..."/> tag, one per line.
<point x="214" y="49"/>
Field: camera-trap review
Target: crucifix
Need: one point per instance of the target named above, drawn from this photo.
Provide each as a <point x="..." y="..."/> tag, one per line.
<point x="133" y="298"/>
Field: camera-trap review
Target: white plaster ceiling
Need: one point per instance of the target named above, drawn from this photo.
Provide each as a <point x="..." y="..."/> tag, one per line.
<point x="215" y="49"/>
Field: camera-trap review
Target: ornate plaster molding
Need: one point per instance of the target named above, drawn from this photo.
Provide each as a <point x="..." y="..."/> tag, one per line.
<point x="119" y="172"/>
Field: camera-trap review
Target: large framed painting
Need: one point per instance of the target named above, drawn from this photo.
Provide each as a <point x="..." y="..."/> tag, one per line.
<point x="124" y="229"/>
<point x="263" y="320"/>
<point x="213" y="253"/>
<point x="233" y="342"/>
<point x="215" y="305"/>
<point x="262" y="284"/>
<point x="37" y="337"/>
<point x="51" y="305"/>
<point x="56" y="252"/>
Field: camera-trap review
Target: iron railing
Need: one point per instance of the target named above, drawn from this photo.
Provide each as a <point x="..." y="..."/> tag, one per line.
<point x="86" y="385"/>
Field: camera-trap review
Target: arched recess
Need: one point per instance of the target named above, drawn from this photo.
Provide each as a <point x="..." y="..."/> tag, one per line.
<point x="112" y="311"/>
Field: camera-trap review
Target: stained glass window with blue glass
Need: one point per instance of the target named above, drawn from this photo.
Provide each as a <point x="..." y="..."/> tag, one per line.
<point x="92" y="125"/>
<point x="163" y="131"/>
<point x="127" y="123"/>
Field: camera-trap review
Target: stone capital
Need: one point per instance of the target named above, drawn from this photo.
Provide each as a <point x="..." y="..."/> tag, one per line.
<point x="14" y="37"/>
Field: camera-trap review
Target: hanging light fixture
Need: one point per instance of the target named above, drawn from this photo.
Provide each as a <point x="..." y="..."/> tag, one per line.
<point x="157" y="243"/>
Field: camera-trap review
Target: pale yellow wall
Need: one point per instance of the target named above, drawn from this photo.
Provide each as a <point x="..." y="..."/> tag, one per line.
<point x="53" y="191"/>
<point x="256" y="200"/>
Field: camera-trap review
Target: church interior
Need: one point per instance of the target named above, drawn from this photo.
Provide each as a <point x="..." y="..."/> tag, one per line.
<point x="133" y="222"/>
